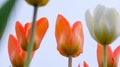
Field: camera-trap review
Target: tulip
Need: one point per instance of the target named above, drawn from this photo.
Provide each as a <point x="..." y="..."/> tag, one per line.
<point x="16" y="54"/>
<point x="23" y="33"/>
<point x="69" y="40"/>
<point x="37" y="2"/>
<point x="103" y="26"/>
<point x="112" y="57"/>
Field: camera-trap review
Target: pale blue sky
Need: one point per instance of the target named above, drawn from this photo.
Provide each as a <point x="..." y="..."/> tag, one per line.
<point x="47" y="55"/>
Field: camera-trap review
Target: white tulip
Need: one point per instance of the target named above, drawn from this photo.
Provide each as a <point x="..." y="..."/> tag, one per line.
<point x="103" y="25"/>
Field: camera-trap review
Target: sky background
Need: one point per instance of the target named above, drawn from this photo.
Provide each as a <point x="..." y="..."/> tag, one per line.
<point x="47" y="55"/>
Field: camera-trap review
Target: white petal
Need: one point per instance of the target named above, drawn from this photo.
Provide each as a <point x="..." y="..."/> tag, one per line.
<point x="112" y="20"/>
<point x="98" y="13"/>
<point x="89" y="22"/>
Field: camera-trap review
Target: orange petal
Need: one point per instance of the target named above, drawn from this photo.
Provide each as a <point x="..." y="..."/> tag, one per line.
<point x="16" y="54"/>
<point x="77" y="38"/>
<point x="63" y="35"/>
<point x="100" y="56"/>
<point x="116" y="56"/>
<point x="20" y="32"/>
<point x="85" y="64"/>
<point x="27" y="26"/>
<point x="27" y="29"/>
<point x="41" y="28"/>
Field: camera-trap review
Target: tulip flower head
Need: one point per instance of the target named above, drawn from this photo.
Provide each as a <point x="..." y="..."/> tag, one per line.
<point x="69" y="40"/>
<point x="16" y="54"/>
<point x="103" y="25"/>
<point x="37" y="2"/>
<point x="23" y="33"/>
<point x="112" y="57"/>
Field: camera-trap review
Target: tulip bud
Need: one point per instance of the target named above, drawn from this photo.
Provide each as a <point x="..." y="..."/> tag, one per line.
<point x="37" y="2"/>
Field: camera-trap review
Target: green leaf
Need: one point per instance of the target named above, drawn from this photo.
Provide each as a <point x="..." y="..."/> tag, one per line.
<point x="5" y="11"/>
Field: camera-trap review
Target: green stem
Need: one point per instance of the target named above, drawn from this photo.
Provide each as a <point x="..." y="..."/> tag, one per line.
<point x="70" y="61"/>
<point x="105" y="56"/>
<point x="31" y="41"/>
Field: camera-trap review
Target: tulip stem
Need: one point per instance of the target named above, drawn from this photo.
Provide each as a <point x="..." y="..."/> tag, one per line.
<point x="105" y="56"/>
<point x="31" y="40"/>
<point x="70" y="61"/>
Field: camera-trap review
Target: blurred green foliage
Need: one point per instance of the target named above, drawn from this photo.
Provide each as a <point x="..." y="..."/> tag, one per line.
<point x="5" y="11"/>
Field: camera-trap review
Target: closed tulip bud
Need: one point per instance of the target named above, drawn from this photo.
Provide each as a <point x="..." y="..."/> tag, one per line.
<point x="38" y="3"/>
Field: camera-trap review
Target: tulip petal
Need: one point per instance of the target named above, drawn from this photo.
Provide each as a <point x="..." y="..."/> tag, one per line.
<point x="112" y="20"/>
<point x="85" y="64"/>
<point x="91" y="25"/>
<point x="27" y="26"/>
<point x="63" y="35"/>
<point x="98" y="14"/>
<point x="89" y="22"/>
<point x="41" y="28"/>
<point x="16" y="54"/>
<point x="20" y="32"/>
<point x="116" y="56"/>
<point x="110" y="59"/>
<point x="102" y="32"/>
<point x="100" y="56"/>
<point x="78" y="38"/>
<point x="27" y="29"/>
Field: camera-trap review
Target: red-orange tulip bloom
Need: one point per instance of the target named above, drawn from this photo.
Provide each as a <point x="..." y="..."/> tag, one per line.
<point x="16" y="54"/>
<point x="69" y="40"/>
<point x="112" y="57"/>
<point x="23" y="33"/>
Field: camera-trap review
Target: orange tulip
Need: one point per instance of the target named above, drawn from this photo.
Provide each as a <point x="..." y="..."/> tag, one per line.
<point x="23" y="33"/>
<point x="112" y="57"/>
<point x="16" y="54"/>
<point x="84" y="64"/>
<point x="69" y="40"/>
